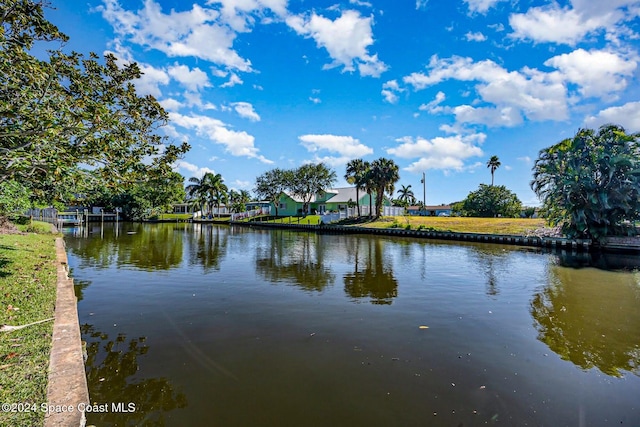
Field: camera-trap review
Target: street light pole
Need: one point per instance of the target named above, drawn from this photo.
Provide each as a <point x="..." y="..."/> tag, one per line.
<point x="424" y="190"/>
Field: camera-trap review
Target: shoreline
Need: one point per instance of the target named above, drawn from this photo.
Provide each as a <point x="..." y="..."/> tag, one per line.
<point x="67" y="387"/>
<point x="581" y="245"/>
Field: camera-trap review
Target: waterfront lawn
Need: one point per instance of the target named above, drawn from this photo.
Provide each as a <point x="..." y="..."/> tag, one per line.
<point x="515" y="226"/>
<point x="173" y="216"/>
<point x="309" y="219"/>
<point x="28" y="281"/>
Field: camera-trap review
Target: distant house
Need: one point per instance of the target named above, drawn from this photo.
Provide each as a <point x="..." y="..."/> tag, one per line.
<point x="257" y="205"/>
<point x="181" y="208"/>
<point x="332" y="200"/>
<point x="439" y="210"/>
<point x="191" y="208"/>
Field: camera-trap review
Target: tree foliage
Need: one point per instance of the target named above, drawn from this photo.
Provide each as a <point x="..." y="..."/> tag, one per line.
<point x="356" y="174"/>
<point x="207" y="191"/>
<point x="142" y="199"/>
<point x="309" y="180"/>
<point x="270" y="185"/>
<point x="493" y="164"/>
<point x="68" y="110"/>
<point x="14" y="198"/>
<point x="383" y="176"/>
<point x="489" y="201"/>
<point x="590" y="184"/>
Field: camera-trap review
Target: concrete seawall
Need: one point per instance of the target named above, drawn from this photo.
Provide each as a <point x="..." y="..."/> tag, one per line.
<point x="505" y="239"/>
<point x="67" y="389"/>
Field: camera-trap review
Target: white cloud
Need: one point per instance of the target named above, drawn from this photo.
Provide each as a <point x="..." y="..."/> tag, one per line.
<point x="334" y="162"/>
<point x="565" y="25"/>
<point x="361" y="3"/>
<point x="346" y="39"/>
<point x="481" y="6"/>
<point x="233" y="80"/>
<point x="197" y="32"/>
<point x="440" y="152"/>
<point x="390" y="91"/>
<point x="237" y="13"/>
<point x="244" y="185"/>
<point x="475" y="37"/>
<point x="236" y="143"/>
<point x="245" y="110"/>
<point x="171" y="104"/>
<point x="315" y="100"/>
<point x="627" y="116"/>
<point x="596" y="72"/>
<point x="421" y="4"/>
<point x="510" y="95"/>
<point x="434" y="107"/>
<point x="150" y="80"/>
<point x="525" y="159"/>
<point x="346" y="146"/>
<point x="193" y="80"/>
<point x="195" y="170"/>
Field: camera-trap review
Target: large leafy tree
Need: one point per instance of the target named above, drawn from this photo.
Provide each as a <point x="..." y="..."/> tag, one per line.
<point x="383" y="176"/>
<point x="356" y="174"/>
<point x="309" y="180"/>
<point x="590" y="184"/>
<point x="270" y="185"/>
<point x="493" y="164"/>
<point x="489" y="201"/>
<point x="62" y="110"/>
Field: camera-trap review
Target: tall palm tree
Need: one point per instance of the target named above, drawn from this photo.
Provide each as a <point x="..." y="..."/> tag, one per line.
<point x="207" y="190"/>
<point x="406" y="194"/>
<point x="493" y="164"/>
<point x="384" y="173"/>
<point x="356" y="175"/>
<point x="219" y="195"/>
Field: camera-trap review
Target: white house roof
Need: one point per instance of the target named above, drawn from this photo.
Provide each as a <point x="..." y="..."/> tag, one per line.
<point x="344" y="194"/>
<point x="340" y="195"/>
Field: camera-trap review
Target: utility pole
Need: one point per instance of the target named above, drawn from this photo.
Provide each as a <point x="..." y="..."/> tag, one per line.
<point x="424" y="190"/>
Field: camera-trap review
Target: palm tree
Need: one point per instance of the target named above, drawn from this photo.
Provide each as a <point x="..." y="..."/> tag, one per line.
<point x="219" y="195"/>
<point x="356" y="174"/>
<point x="493" y="164"/>
<point x="207" y="190"/>
<point x="384" y="174"/>
<point x="196" y="192"/>
<point x="406" y="194"/>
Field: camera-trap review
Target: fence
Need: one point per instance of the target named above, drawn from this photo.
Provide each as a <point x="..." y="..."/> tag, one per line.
<point x="250" y="214"/>
<point x="364" y="211"/>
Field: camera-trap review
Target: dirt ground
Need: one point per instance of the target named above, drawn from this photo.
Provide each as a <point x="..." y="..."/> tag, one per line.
<point x="7" y="227"/>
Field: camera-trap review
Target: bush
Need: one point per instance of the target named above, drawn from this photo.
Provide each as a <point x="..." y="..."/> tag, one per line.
<point x="14" y="199"/>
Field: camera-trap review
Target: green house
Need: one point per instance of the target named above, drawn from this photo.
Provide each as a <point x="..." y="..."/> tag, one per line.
<point x="332" y="200"/>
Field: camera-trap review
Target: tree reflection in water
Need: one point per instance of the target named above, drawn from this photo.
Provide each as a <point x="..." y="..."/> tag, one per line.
<point x="149" y="247"/>
<point x="591" y="318"/>
<point x="297" y="258"/>
<point x="372" y="277"/>
<point x="492" y="261"/>
<point x="210" y="242"/>
<point x="111" y="366"/>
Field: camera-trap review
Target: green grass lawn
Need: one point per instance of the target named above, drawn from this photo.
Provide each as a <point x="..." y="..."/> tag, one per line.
<point x="181" y="216"/>
<point x="28" y="283"/>
<point x="517" y="226"/>
<point x="309" y="219"/>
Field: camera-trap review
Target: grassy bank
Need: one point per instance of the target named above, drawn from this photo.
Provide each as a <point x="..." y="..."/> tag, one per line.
<point x="516" y="226"/>
<point x="309" y="219"/>
<point x="28" y="283"/>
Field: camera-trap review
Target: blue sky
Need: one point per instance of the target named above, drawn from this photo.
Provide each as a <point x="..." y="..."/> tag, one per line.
<point x="437" y="86"/>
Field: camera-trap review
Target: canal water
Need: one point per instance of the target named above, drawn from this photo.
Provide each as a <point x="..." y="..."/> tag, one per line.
<point x="207" y="325"/>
